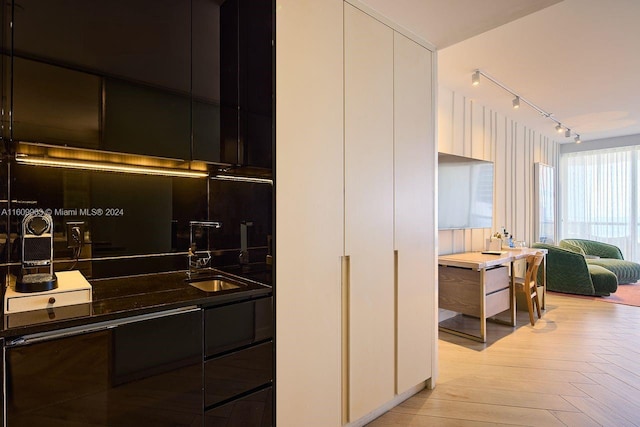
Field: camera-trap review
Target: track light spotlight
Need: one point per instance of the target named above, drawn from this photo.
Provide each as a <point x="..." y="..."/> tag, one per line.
<point x="475" y="79"/>
<point x="516" y="102"/>
<point x="567" y="133"/>
<point x="559" y="128"/>
<point x="577" y="139"/>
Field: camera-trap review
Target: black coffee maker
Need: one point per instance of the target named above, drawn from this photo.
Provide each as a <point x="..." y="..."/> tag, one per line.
<point x="36" y="273"/>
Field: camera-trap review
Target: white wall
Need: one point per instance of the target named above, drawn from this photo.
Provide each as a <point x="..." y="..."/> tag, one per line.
<point x="467" y="128"/>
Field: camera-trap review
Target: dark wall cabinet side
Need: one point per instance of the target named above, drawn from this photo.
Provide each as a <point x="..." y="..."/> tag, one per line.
<point x="2" y="389"/>
<point x="147" y="372"/>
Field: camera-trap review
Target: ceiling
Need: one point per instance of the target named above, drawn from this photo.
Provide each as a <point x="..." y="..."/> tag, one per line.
<point x="576" y="59"/>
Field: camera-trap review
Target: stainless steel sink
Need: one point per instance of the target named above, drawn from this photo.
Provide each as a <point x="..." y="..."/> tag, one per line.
<point x="214" y="284"/>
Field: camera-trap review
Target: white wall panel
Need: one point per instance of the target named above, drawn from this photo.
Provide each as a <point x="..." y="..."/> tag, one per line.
<point x="476" y="116"/>
<point x="473" y="130"/>
<point x="445" y="120"/>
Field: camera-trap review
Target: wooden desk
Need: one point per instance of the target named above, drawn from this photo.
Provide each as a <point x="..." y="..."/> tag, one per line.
<point x="479" y="285"/>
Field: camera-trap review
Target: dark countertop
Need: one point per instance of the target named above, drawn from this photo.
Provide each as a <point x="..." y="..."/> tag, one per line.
<point x="122" y="297"/>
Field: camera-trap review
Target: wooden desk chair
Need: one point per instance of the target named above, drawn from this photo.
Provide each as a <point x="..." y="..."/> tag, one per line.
<point x="529" y="284"/>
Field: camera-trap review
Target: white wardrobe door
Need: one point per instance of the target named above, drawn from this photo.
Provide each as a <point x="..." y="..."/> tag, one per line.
<point x="414" y="211"/>
<point x="368" y="175"/>
<point x="309" y="214"/>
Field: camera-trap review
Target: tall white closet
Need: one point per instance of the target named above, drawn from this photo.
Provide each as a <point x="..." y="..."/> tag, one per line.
<point x="368" y="210"/>
<point x="355" y="214"/>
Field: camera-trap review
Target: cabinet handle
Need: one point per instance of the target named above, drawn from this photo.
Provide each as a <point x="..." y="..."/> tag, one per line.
<point x="52" y="300"/>
<point x="110" y="324"/>
<point x="395" y="319"/>
<point x="345" y="285"/>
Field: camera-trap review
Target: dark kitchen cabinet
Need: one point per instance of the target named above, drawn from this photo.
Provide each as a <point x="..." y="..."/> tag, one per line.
<point x="239" y="364"/>
<point x="138" y="371"/>
<point x="256" y="81"/>
<point x="233" y="91"/>
<point x="112" y="75"/>
<point x="255" y="410"/>
<point x="215" y="80"/>
<point x="189" y="80"/>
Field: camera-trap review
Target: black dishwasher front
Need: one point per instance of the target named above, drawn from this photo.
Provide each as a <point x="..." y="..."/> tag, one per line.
<point x="138" y="371"/>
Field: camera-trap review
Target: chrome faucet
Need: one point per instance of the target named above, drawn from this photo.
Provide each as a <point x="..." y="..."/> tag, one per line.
<point x="199" y="260"/>
<point x="244" y="242"/>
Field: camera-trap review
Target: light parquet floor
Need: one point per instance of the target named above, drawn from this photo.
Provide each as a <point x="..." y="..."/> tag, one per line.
<point x="578" y="366"/>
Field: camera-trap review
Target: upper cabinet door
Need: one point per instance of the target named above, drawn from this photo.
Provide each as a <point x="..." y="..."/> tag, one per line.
<point x="368" y="181"/>
<point x="105" y="74"/>
<point x="215" y="80"/>
<point x="145" y="41"/>
<point x="256" y="82"/>
<point x="414" y="157"/>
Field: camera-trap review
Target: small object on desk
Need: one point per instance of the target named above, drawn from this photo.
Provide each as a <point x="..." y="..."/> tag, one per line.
<point x="493" y="244"/>
<point x="494" y="252"/>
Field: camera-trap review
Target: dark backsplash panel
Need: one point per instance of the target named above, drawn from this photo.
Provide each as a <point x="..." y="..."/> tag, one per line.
<point x="131" y="220"/>
<point x="234" y="202"/>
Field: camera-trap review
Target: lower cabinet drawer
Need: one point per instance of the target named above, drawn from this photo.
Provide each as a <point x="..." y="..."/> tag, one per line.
<point x="254" y="410"/>
<point x="237" y="325"/>
<point x="238" y="372"/>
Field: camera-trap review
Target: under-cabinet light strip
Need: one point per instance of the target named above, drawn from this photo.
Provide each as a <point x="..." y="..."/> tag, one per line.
<point x="243" y="179"/>
<point x="108" y="167"/>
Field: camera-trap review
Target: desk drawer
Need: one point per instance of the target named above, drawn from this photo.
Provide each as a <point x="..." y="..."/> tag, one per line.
<point x="497" y="302"/>
<point x="496" y="279"/>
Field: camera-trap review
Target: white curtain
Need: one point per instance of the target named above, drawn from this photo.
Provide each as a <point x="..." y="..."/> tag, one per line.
<point x="599" y="199"/>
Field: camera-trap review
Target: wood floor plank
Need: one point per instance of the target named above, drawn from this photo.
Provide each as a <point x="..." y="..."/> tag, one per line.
<point x="631" y="365"/>
<point x="497" y="414"/>
<point x="525" y="399"/>
<point x="395" y="419"/>
<point x="577" y="366"/>
<point x="619" y="373"/>
<point x="525" y="374"/>
<point x="576" y="419"/>
<point x="600" y="412"/>
<point x="626" y="391"/>
<point x="530" y="362"/>
<point x="516" y="385"/>
<point x="613" y="401"/>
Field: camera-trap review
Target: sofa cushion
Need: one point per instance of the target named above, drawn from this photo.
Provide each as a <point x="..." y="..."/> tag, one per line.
<point x="626" y="271"/>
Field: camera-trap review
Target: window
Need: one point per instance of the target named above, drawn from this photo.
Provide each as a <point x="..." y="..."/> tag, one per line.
<point x="599" y="197"/>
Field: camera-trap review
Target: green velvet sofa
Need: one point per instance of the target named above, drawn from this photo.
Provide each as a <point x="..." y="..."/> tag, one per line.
<point x="569" y="272"/>
<point x="605" y="255"/>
